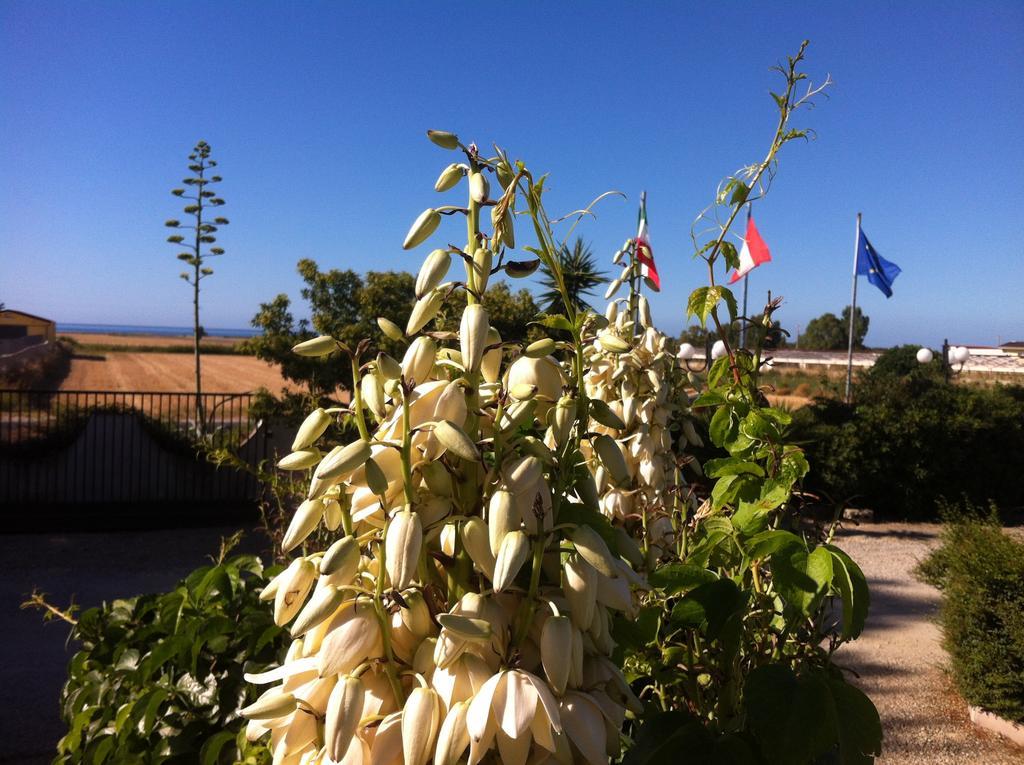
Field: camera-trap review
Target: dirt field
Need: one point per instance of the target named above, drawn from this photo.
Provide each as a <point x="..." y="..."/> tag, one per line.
<point x="89" y="338"/>
<point x="170" y="372"/>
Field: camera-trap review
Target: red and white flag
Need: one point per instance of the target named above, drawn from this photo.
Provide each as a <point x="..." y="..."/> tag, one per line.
<point x="754" y="252"/>
<point x="643" y="249"/>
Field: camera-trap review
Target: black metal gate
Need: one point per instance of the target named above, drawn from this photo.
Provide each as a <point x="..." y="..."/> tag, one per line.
<point x="138" y="447"/>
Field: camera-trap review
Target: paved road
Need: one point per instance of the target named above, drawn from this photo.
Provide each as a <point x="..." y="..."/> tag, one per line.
<point x="900" y="659"/>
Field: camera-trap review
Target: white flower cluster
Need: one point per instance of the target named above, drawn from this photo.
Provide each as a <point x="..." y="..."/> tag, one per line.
<point x="458" y="616"/>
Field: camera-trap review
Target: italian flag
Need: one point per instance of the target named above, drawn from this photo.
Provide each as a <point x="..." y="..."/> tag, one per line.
<point x="643" y="249"/>
<point x="754" y="252"/>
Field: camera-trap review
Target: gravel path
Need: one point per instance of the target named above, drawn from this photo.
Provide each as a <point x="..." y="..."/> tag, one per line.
<point x="900" y="659"/>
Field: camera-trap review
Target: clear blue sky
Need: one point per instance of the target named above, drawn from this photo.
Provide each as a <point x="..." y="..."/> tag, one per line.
<point x="316" y="112"/>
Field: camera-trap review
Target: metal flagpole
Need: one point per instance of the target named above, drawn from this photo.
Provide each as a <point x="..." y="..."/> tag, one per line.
<point x="746" y="278"/>
<point x="853" y="312"/>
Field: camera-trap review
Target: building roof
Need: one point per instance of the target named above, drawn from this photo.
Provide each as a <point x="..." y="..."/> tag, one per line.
<point x="26" y="315"/>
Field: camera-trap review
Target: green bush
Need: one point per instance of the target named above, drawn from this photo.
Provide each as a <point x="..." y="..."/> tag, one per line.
<point x="159" y="678"/>
<point x="910" y="439"/>
<point x="980" y="570"/>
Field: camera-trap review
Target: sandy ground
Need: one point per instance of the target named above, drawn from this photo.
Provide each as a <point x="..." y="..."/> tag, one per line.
<point x="90" y="338"/>
<point x="899" y="657"/>
<point x="900" y="660"/>
<point x="170" y="372"/>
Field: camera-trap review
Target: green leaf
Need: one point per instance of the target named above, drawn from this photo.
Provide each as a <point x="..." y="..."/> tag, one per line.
<point x="801" y="579"/>
<point x="679" y="577"/>
<point x="731" y="466"/>
<point x="697" y="304"/>
<point x="707" y="398"/>
<point x="210" y="752"/>
<point x="711" y="604"/>
<point x="729" y="254"/>
<point x="794" y="718"/>
<point x="853" y="590"/>
<point x="554" y="321"/>
<point x="721" y="425"/>
<point x="860" y="729"/>
<point x="767" y="543"/>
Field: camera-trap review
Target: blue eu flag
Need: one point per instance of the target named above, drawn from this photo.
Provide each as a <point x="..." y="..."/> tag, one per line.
<point x="879" y="271"/>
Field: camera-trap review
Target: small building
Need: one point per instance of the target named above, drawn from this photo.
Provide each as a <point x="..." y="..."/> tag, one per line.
<point x="18" y="326"/>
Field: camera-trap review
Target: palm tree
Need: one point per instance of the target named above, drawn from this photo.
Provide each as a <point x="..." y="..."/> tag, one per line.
<point x="579" y="269"/>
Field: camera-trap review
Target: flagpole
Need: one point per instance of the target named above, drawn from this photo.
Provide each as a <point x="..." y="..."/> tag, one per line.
<point x="746" y="278"/>
<point x="634" y="301"/>
<point x="853" y="312"/>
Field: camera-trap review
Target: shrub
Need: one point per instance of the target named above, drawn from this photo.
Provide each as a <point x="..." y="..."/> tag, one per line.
<point x="159" y="678"/>
<point x="980" y="570"/>
<point x="911" y="438"/>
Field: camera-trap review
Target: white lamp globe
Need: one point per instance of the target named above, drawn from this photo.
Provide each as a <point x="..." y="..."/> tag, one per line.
<point x="924" y="355"/>
<point x="686" y="351"/>
<point x="718" y="349"/>
<point x="961" y="354"/>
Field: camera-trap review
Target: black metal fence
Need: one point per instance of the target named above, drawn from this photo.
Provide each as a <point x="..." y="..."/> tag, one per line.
<point x="74" y="447"/>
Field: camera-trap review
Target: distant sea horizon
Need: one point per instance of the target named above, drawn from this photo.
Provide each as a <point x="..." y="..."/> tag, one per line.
<point x="138" y="329"/>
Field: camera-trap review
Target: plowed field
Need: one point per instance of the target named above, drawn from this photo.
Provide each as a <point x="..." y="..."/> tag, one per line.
<point x="170" y="372"/>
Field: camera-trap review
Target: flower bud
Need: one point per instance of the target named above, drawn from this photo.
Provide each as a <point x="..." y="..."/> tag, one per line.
<point x="332" y="514"/>
<point x="645" y="313"/>
<point x="437" y="478"/>
<point x="449" y="177"/>
<point x="514" y="550"/>
<point x="420" y="721"/>
<point x="477" y="544"/>
<point x="318" y="346"/>
<point x="443" y="139"/>
<point x="611" y="312"/>
<point x="300" y="460"/>
<point x="269" y="706"/>
<point x="341" y="561"/>
<point x="504" y="228"/>
<point x="612" y="288"/>
<point x="543" y="373"/>
<point x="419" y="359"/>
<point x="371" y="388"/>
<point x="376" y="481"/>
<point x="306" y="518"/>
<point x="540" y="348"/>
<point x="402" y="546"/>
<point x="423" y="311"/>
<point x="454" y="439"/>
<point x="502" y="518"/>
<point x="490" y="364"/>
<point x="563" y="418"/>
<point x="612" y="343"/>
<point x="593" y="550"/>
<point x="479" y="188"/>
<point x="611" y="457"/>
<point x="324" y="603"/>
<point x="433" y="270"/>
<point x="466" y="627"/>
<point x="387" y="367"/>
<point x="416" y="614"/>
<point x="344" y="708"/>
<point x="556" y="650"/>
<point x="483" y="259"/>
<point x="311" y="429"/>
<point x="296" y="582"/>
<point x="453" y="738"/>
<point x="389" y="328"/>
<point x="422" y="228"/>
<point x="341" y="461"/>
<point x="473" y="331"/>
<point x="580" y="588"/>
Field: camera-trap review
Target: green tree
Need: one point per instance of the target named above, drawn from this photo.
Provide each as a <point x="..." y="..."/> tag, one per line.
<point x="509" y="312"/>
<point x="198" y="243"/>
<point x="579" y="269"/>
<point x="829" y="332"/>
<point x="343" y="305"/>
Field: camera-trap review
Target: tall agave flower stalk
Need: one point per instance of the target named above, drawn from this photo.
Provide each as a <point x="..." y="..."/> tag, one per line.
<point x="462" y="613"/>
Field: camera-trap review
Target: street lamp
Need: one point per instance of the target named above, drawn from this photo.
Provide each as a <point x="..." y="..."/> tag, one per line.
<point x="952" y="356"/>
